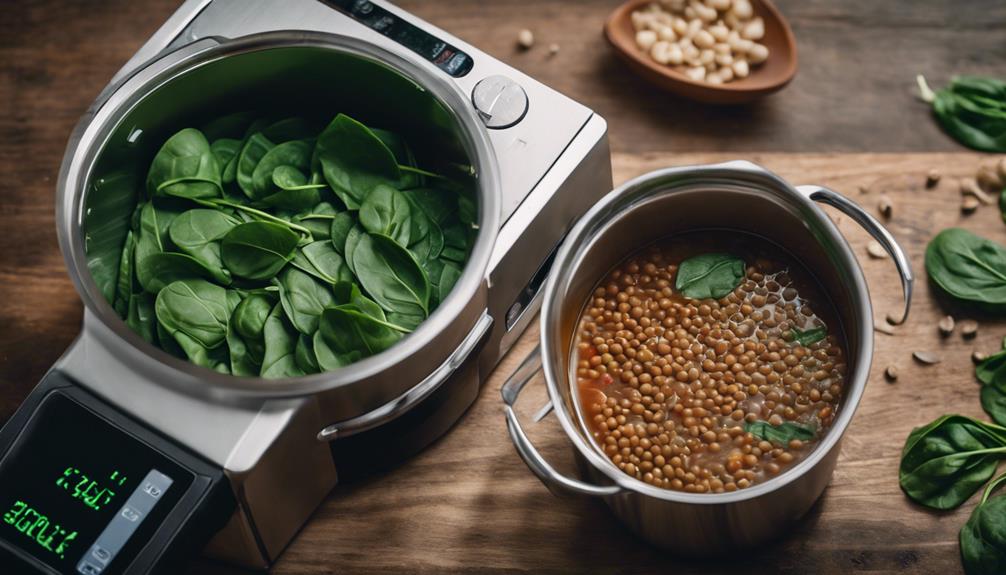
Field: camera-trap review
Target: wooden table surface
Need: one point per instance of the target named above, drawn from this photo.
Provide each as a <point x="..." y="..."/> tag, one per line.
<point x="468" y="505"/>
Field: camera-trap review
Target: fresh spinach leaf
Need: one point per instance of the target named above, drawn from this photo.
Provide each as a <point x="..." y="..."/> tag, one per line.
<point x="346" y="330"/>
<point x="983" y="537"/>
<point x="295" y="155"/>
<point x="196" y="308"/>
<point x="993" y="400"/>
<point x="780" y="434"/>
<point x="157" y="270"/>
<point x="973" y="111"/>
<point x="391" y="276"/>
<point x="303" y="299"/>
<point x="141" y="317"/>
<point x="968" y="267"/>
<point x="342" y="224"/>
<point x="455" y="243"/>
<point x="279" y="360"/>
<point x="327" y="358"/>
<point x="258" y="250"/>
<point x="225" y="150"/>
<point x="198" y="233"/>
<point x="328" y="262"/>
<point x="304" y="355"/>
<point x="254" y="149"/>
<point x="386" y="211"/>
<point x="185" y="167"/>
<point x="250" y="315"/>
<point x="709" y="275"/>
<point x="354" y="160"/>
<point x="449" y="276"/>
<point x="353" y="238"/>
<point x="216" y="359"/>
<point x="438" y="204"/>
<point x="945" y="462"/>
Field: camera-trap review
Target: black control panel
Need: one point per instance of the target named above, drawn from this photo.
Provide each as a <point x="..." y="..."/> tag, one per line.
<point x="85" y="490"/>
<point x="445" y="56"/>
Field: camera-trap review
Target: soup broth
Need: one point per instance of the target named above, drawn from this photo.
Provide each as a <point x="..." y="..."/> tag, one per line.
<point x="716" y="394"/>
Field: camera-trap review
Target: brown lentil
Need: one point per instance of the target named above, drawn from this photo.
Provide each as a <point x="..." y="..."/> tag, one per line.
<point x="667" y="383"/>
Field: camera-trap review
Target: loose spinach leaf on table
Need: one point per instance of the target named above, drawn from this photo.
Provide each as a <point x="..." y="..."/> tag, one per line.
<point x="993" y="401"/>
<point x="946" y="462"/>
<point x="983" y="537"/>
<point x="709" y="275"/>
<point x="991" y="372"/>
<point x="185" y="167"/>
<point x="968" y="267"/>
<point x="258" y="250"/>
<point x="780" y="434"/>
<point x="391" y="276"/>
<point x="973" y="110"/>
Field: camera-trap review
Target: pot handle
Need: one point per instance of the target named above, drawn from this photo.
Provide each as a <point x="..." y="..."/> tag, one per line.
<point x="556" y="482"/>
<point x="875" y="229"/>
<point x="414" y="396"/>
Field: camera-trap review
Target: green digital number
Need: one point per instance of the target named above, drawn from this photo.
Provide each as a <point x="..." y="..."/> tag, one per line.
<point x="36" y="526"/>
<point x="88" y="490"/>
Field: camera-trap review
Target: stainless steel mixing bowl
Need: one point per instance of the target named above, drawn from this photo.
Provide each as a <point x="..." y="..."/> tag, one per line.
<point x="733" y="196"/>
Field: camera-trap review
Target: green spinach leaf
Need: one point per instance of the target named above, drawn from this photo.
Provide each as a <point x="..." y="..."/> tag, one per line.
<point x="354" y="160"/>
<point x="258" y="250"/>
<point x="141" y="317"/>
<point x="342" y="224"/>
<point x="968" y="267"/>
<point x="279" y="360"/>
<point x="707" y="276"/>
<point x="303" y="299"/>
<point x="254" y="149"/>
<point x="159" y="269"/>
<point x="198" y="233"/>
<point x="185" y="167"/>
<point x="124" y="285"/>
<point x="346" y="330"/>
<point x="328" y="262"/>
<point x="391" y="276"/>
<point x="945" y="462"/>
<point x="386" y="211"/>
<point x="983" y="537"/>
<point x="780" y="434"/>
<point x="973" y="111"/>
<point x="808" y="337"/>
<point x="196" y="308"/>
<point x="110" y="202"/>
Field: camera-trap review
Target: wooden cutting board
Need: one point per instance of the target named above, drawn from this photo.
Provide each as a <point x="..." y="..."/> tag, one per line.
<point x="469" y="505"/>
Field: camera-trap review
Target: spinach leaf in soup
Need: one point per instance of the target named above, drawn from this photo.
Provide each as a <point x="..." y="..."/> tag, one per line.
<point x="983" y="537"/>
<point x="946" y="462"/>
<point x="303" y="299"/>
<point x="708" y="276"/>
<point x="968" y="267"/>
<point x="196" y="308"/>
<point x="386" y="211"/>
<point x="391" y="276"/>
<point x="780" y="434"/>
<point x="808" y="337"/>
<point x="280" y="338"/>
<point x="185" y="167"/>
<point x="258" y="250"/>
<point x="354" y="160"/>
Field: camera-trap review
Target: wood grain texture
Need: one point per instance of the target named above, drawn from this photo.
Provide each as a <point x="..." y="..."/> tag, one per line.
<point x="468" y="505"/>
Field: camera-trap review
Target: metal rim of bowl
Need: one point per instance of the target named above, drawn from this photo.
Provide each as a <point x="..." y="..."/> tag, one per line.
<point x="568" y="260"/>
<point x="91" y="135"/>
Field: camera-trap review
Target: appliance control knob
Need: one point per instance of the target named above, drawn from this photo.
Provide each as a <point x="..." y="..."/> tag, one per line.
<point x="500" y="102"/>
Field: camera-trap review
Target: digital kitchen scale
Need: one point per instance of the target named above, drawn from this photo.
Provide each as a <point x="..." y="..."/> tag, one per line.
<point x="124" y="460"/>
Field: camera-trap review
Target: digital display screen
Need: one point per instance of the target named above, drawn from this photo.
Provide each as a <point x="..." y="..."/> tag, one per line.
<point x="82" y="495"/>
<point x="440" y="53"/>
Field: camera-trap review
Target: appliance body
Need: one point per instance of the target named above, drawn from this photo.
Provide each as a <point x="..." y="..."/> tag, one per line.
<point x="279" y="453"/>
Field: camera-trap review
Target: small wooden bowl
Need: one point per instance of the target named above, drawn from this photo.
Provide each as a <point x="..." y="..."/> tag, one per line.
<point x="766" y="78"/>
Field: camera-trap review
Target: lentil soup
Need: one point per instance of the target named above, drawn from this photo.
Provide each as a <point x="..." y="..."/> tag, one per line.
<point x="709" y="395"/>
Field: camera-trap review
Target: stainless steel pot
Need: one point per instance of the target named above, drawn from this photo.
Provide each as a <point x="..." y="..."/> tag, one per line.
<point x="380" y="86"/>
<point x="737" y="196"/>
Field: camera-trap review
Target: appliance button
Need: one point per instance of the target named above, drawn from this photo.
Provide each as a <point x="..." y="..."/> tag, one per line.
<point x="500" y="102"/>
<point x="101" y="554"/>
<point x="130" y="514"/>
